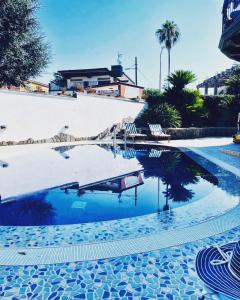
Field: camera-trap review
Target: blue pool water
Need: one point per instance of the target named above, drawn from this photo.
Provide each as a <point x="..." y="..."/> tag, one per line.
<point x="152" y="180"/>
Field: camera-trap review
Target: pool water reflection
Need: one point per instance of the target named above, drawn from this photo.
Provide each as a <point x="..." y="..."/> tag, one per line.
<point x="165" y="179"/>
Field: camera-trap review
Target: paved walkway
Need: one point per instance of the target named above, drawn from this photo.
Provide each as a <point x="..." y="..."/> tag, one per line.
<point x="212" y="147"/>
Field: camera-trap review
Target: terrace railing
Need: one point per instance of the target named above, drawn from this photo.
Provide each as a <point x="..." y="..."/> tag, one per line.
<point x="231" y="10"/>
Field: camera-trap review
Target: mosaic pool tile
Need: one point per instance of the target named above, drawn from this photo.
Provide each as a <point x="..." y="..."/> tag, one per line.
<point x="62" y="235"/>
<point x="166" y="274"/>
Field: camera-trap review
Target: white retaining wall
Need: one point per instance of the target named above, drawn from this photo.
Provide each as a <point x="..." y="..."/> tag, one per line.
<point x="39" y="117"/>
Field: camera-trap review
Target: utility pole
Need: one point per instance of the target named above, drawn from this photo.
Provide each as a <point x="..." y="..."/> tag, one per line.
<point x="135" y="67"/>
<point x="160" y="71"/>
<point x="136" y="71"/>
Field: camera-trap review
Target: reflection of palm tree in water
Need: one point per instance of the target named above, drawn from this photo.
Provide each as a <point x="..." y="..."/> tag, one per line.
<point x="28" y="210"/>
<point x="178" y="175"/>
<point x="38" y="210"/>
<point x="180" y="193"/>
<point x="166" y="193"/>
<point x="176" y="171"/>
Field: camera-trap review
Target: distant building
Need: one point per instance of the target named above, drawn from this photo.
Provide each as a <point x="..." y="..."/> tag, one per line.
<point x="34" y="87"/>
<point x="102" y="81"/>
<point x="29" y="86"/>
<point x="84" y="78"/>
<point x="120" y="89"/>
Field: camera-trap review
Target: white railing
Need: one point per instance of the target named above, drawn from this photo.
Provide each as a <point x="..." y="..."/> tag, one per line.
<point x="231" y="8"/>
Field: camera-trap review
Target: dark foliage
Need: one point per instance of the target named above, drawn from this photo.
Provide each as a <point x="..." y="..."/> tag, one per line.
<point x="163" y="113"/>
<point x="59" y="80"/>
<point x="189" y="103"/>
<point x="178" y="105"/>
<point x="167" y="166"/>
<point x="220" y="111"/>
<point x="23" y="51"/>
<point x="233" y="83"/>
<point x="153" y="97"/>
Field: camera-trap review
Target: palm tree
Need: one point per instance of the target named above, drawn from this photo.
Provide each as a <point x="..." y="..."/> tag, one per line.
<point x="168" y="35"/>
<point x="180" y="79"/>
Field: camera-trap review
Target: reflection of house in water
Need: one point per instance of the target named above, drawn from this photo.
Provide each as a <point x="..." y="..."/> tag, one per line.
<point x="114" y="185"/>
<point x="121" y="184"/>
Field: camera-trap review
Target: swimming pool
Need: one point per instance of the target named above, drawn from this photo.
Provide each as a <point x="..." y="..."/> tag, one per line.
<point x="98" y="183"/>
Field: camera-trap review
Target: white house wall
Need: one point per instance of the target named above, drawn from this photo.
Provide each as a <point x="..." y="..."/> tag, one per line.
<point x="72" y="82"/>
<point x="131" y="92"/>
<point x="40" y="117"/>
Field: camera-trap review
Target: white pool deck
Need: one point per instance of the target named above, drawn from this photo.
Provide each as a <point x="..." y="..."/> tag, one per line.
<point x="93" y="251"/>
<point x="9" y="151"/>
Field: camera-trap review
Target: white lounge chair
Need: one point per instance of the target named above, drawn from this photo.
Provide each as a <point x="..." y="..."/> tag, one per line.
<point x="157" y="131"/>
<point x="155" y="153"/>
<point x="131" y="132"/>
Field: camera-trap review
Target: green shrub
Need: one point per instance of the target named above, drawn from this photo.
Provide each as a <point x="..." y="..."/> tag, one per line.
<point x="221" y="111"/>
<point x="189" y="103"/>
<point x="153" y="96"/>
<point x="151" y="93"/>
<point x="178" y="105"/>
<point x="233" y="83"/>
<point x="163" y="113"/>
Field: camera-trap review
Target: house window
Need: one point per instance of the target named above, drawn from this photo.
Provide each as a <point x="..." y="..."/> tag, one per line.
<point x="76" y="80"/>
<point x="103" y="80"/>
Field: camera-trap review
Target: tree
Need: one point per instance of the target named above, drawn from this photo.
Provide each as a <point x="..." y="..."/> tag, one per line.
<point x="188" y="102"/>
<point x="59" y="80"/>
<point x="168" y="35"/>
<point x="180" y="79"/>
<point x="23" y="51"/>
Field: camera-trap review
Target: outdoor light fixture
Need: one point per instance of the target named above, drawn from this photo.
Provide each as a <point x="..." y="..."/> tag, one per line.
<point x="63" y="129"/>
<point x="3" y="164"/>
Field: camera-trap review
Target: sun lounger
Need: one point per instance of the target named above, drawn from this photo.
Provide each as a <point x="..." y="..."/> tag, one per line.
<point x="157" y="131"/>
<point x="131" y="132"/>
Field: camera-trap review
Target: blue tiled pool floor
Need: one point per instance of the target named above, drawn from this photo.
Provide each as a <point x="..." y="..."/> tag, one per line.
<point x="63" y="235"/>
<point x="164" y="274"/>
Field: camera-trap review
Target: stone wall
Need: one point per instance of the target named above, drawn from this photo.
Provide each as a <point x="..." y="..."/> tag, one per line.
<point x="193" y="133"/>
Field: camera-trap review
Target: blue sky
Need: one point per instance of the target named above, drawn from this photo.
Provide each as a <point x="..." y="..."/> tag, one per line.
<point x="89" y="33"/>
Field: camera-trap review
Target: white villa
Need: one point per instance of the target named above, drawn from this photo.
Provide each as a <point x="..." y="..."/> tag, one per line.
<point x="113" y="82"/>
